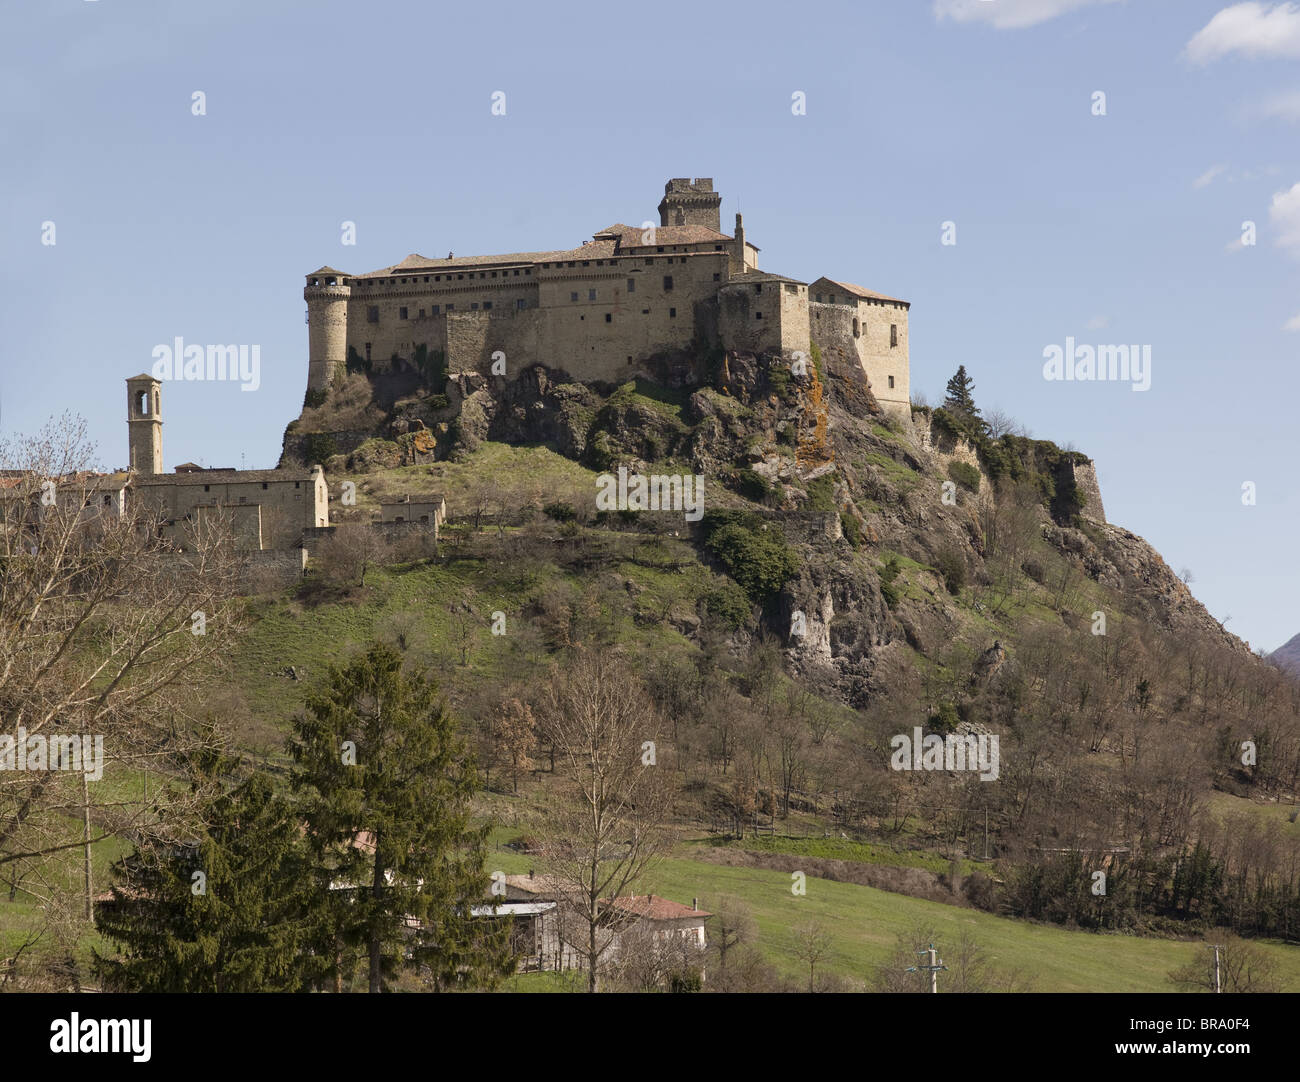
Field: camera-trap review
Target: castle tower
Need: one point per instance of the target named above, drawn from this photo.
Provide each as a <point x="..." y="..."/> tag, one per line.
<point x="327" y="326"/>
<point x="144" y="423"/>
<point x="691" y="202"/>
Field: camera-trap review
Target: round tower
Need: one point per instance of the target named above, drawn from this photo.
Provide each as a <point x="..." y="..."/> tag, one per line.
<point x="327" y="326"/>
<point x="144" y="423"/>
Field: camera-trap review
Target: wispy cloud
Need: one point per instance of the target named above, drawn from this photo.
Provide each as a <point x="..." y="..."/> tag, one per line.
<point x="1284" y="106"/>
<point x="1292" y="324"/>
<point x="1252" y="30"/>
<point x="1284" y="213"/>
<point x="1207" y="178"/>
<point x="1098" y="323"/>
<point x="1008" y="14"/>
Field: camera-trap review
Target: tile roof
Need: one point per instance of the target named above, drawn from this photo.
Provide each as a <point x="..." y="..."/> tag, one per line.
<point x="655" y="908"/>
<point x="750" y="277"/>
<point x="869" y="294"/>
<point x="220" y="477"/>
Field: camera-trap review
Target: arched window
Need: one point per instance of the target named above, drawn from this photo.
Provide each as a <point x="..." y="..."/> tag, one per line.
<point x="142" y="403"/>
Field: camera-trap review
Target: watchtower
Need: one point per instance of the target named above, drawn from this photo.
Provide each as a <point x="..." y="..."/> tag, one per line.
<point x="327" y="326"/>
<point x="691" y="202"/>
<point x="144" y="423"/>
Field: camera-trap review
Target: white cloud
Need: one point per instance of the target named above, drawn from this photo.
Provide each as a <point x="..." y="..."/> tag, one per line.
<point x="1280" y="107"/>
<point x="1252" y="29"/>
<point x="1292" y="324"/>
<point x="1284" y="213"/>
<point x="1008" y="14"/>
<point x="1097" y="323"/>
<point x="1208" y="176"/>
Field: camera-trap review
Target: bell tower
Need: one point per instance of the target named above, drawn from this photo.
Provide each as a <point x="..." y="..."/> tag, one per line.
<point x="144" y="423"/>
<point x="691" y="202"/>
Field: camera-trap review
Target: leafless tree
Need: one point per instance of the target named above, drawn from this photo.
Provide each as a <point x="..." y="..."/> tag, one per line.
<point x="605" y="823"/>
<point x="812" y="942"/>
<point x="108" y="631"/>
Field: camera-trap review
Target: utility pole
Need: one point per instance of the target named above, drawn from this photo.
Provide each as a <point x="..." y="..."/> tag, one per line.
<point x="1218" y="987"/>
<point x="933" y="965"/>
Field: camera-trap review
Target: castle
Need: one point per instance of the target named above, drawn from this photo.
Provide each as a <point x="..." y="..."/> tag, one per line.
<point x="604" y="311"/>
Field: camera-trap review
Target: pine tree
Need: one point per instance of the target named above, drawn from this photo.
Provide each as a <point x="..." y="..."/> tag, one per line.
<point x="958" y="398"/>
<point x="227" y="912"/>
<point x="386" y="783"/>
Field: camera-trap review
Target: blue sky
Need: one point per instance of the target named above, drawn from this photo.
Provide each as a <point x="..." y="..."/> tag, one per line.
<point x="1116" y="228"/>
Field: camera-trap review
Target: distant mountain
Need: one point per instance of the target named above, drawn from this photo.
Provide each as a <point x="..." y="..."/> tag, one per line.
<point x="1287" y="656"/>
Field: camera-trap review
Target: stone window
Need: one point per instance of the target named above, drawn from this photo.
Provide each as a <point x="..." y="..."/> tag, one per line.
<point x="856" y="332"/>
<point x="645" y="311"/>
<point x="893" y="335"/>
<point x="586" y="262"/>
<point x="522" y="302"/>
<point x="483" y="274"/>
<point x="473" y="306"/>
<point x="591" y="294"/>
<point x="401" y="313"/>
<point x="372" y="313"/>
<point x="668" y="283"/>
<point x="450" y="307"/>
<point x="717" y="277"/>
<point x="264" y="486"/>
<point x="206" y="488"/>
<point x="243" y="499"/>
<point x="758" y="287"/>
<point x="649" y="259"/>
<point x="609" y="318"/>
<point x="819" y="298"/>
<point x="672" y="313"/>
<point x="426" y="277"/>
<point x="528" y="270"/>
<point x="437" y="308"/>
<point x="758" y="315"/>
<point x="297" y="484"/>
<point x="487" y="305"/>
<point x="631" y="285"/>
<point x="573" y="296"/>
<point x="421" y="313"/>
<point x="717" y="247"/>
<point x="459" y="277"/>
<point x="367" y="351"/>
<point x="660" y="248"/>
<point x="516" y="274"/>
<point x="494" y="274"/>
<point x="891" y="383"/>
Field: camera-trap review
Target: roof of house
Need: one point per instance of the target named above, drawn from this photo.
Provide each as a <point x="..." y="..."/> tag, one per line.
<point x="652" y="907"/>
<point x="632" y="236"/>
<point x="326" y="270"/>
<point x="761" y="276"/>
<point x="431" y="497"/>
<point x="221" y="477"/>
<point x="538" y="884"/>
<point x="858" y="291"/>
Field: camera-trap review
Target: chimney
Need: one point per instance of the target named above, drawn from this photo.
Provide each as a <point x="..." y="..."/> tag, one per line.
<point x="695" y="903"/>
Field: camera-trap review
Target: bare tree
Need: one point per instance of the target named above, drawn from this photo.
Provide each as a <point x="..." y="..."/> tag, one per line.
<point x="811" y="944"/>
<point x="605" y="823"/>
<point x="1242" y="967"/>
<point x="999" y="422"/>
<point x="111" y="620"/>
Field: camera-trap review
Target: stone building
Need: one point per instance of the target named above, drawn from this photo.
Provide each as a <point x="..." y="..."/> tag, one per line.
<point x="266" y="509"/>
<point x="600" y="312"/>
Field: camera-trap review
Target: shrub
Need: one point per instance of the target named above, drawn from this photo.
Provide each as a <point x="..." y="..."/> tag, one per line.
<point x="729" y="606"/>
<point x="753" y="486"/>
<point x="758" y="559"/>
<point x="318" y="447"/>
<point x="888" y="573"/>
<point x="852" y="531"/>
<point x="560" y="511"/>
<point x="952" y="567"/>
<point x="944" y="720"/>
<point x="965" y="475"/>
<point x="821" y="493"/>
<point x="312" y="399"/>
<point x="1034" y="569"/>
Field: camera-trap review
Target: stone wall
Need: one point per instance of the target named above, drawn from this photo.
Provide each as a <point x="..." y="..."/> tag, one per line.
<point x="1085" y="479"/>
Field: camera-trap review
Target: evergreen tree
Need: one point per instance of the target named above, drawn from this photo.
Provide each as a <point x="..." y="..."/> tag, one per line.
<point x="958" y="398"/>
<point x="225" y="913"/>
<point x="386" y="783"/>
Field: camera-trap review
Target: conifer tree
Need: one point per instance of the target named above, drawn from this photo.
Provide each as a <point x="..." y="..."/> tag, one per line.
<point x="227" y="912"/>
<point x="958" y="398"/>
<point x="386" y="783"/>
